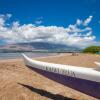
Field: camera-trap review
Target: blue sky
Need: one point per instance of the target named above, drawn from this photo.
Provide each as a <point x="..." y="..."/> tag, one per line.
<point x="59" y="13"/>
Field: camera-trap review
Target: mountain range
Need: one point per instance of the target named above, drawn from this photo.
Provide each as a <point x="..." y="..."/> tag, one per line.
<point x="36" y="46"/>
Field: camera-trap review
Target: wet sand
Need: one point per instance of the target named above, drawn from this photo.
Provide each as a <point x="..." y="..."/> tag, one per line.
<point x="17" y="82"/>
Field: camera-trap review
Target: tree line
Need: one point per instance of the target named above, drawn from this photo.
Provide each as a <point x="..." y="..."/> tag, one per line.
<point x="92" y="49"/>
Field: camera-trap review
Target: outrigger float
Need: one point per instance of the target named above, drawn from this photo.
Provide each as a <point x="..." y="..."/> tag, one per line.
<point x="85" y="80"/>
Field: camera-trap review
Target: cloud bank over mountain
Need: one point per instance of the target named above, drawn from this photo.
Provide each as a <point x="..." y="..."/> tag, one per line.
<point x="79" y="34"/>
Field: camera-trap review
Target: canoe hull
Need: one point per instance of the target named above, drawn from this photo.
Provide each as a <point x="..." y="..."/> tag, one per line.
<point x="88" y="87"/>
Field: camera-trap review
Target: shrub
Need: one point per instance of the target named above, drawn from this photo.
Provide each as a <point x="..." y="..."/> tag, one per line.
<point x="92" y="49"/>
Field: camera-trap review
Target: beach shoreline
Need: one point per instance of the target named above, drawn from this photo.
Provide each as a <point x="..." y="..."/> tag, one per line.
<point x="20" y="59"/>
<point x="17" y="82"/>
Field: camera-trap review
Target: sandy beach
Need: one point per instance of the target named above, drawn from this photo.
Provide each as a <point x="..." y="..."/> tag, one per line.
<point x="17" y="82"/>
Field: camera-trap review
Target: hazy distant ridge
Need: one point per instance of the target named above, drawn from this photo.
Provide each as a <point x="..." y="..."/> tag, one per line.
<point x="35" y="46"/>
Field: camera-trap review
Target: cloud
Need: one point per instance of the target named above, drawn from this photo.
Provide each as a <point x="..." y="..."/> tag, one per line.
<point x="16" y="24"/>
<point x="87" y="21"/>
<point x="39" y="21"/>
<point x="3" y="18"/>
<point x="73" y="35"/>
<point x="9" y="15"/>
<point x="78" y="22"/>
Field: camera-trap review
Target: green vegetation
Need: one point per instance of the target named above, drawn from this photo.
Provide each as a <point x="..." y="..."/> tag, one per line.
<point x="92" y="49"/>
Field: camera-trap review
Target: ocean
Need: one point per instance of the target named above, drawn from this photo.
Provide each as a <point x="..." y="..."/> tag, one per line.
<point x="4" y="56"/>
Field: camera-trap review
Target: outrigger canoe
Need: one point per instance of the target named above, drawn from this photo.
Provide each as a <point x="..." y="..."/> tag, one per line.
<point x="85" y="80"/>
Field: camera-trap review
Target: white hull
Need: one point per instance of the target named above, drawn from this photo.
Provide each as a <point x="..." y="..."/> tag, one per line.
<point x="82" y="79"/>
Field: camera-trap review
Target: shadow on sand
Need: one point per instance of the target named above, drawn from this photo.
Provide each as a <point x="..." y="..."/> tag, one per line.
<point x="46" y="93"/>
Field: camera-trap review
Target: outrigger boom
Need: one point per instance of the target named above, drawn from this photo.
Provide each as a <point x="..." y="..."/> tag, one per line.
<point x="85" y="80"/>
